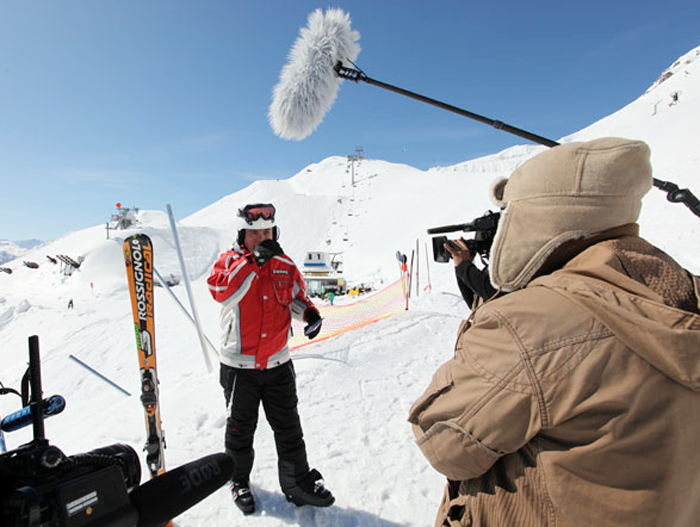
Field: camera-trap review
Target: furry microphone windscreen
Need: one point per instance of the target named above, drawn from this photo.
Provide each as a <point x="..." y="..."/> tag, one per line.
<point x="308" y="85"/>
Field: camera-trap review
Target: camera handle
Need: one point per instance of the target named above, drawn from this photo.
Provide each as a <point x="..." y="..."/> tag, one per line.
<point x="36" y="401"/>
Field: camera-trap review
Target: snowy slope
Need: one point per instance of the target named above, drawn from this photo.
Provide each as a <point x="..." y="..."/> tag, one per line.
<point x="355" y="389"/>
<point x="11" y="250"/>
<point x="671" y="129"/>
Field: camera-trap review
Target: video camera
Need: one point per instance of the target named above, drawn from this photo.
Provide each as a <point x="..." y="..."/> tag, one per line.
<point x="42" y="487"/>
<point x="484" y="229"/>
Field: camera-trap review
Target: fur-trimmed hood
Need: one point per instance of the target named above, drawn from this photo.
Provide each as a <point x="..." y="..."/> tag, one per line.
<point x="566" y="193"/>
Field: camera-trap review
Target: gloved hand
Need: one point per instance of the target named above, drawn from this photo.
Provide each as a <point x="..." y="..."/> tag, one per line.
<point x="266" y="250"/>
<point x="459" y="251"/>
<point x="313" y="323"/>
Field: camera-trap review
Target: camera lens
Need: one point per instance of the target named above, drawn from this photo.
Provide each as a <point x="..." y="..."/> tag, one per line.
<point x="440" y="254"/>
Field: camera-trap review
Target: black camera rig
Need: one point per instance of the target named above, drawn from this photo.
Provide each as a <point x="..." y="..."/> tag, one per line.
<point x="42" y="487"/>
<point x="484" y="229"/>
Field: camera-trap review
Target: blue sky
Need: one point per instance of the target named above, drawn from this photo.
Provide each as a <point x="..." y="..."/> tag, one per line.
<point x="154" y="102"/>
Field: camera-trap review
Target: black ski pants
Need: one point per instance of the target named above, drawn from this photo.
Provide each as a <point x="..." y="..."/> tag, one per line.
<point x="244" y="390"/>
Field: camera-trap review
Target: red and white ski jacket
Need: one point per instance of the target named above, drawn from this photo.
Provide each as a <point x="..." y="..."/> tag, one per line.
<point x="257" y="306"/>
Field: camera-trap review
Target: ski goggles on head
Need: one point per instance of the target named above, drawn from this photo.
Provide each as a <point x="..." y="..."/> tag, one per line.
<point x="252" y="213"/>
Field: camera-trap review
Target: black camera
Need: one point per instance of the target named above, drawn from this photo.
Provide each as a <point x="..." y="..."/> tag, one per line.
<point x="42" y="487"/>
<point x="484" y="229"/>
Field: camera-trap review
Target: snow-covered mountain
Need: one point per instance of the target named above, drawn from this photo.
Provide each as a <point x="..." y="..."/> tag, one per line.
<point x="10" y="250"/>
<point x="354" y="389"/>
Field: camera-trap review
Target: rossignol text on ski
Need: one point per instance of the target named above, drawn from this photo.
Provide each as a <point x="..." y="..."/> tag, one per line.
<point x="138" y="256"/>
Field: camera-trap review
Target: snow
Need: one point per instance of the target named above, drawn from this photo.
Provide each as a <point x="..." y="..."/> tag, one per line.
<point x="11" y="250"/>
<point x="355" y="389"/>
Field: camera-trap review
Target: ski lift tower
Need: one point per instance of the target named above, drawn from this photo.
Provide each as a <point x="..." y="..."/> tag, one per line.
<point x="125" y="218"/>
<point x="352" y="159"/>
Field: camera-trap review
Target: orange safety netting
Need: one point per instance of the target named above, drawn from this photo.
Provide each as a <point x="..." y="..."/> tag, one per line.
<point x="341" y="318"/>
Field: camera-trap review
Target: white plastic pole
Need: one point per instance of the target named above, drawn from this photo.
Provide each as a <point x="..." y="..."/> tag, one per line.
<point x="186" y="279"/>
<point x="184" y="309"/>
<point x="427" y="266"/>
<point x="417" y="268"/>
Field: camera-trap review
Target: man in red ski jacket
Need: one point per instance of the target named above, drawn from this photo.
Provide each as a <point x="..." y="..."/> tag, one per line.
<point x="260" y="289"/>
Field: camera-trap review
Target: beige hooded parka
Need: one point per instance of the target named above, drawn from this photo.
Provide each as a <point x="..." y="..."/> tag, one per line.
<point x="573" y="400"/>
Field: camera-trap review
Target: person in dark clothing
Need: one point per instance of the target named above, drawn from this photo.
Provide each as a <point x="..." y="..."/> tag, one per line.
<point x="260" y="289"/>
<point x="472" y="281"/>
<point x="574" y="399"/>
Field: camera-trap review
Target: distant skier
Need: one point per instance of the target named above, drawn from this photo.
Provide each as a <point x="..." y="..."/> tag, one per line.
<point x="70" y="304"/>
<point x="260" y="289"/>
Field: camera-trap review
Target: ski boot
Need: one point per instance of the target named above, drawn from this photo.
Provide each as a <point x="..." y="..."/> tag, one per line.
<point x="310" y="490"/>
<point x="242" y="497"/>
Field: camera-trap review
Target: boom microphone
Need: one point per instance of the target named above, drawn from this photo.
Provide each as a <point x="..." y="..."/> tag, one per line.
<point x="172" y="493"/>
<point x="319" y="60"/>
<point x="308" y="84"/>
<point x="322" y="57"/>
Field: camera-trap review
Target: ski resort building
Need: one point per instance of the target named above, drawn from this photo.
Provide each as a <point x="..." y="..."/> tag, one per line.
<point x="322" y="273"/>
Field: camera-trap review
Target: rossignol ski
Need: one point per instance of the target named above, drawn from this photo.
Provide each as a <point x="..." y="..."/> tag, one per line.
<point x="138" y="256"/>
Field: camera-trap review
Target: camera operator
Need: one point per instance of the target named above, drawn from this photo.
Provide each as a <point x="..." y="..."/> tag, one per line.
<point x="471" y="280"/>
<point x="575" y="398"/>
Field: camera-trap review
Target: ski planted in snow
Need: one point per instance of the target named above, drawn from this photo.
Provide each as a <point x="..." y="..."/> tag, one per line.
<point x="138" y="256"/>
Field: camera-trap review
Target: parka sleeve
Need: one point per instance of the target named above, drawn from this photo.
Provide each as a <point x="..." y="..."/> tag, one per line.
<point x="231" y="277"/>
<point x="301" y="300"/>
<point x="480" y="405"/>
